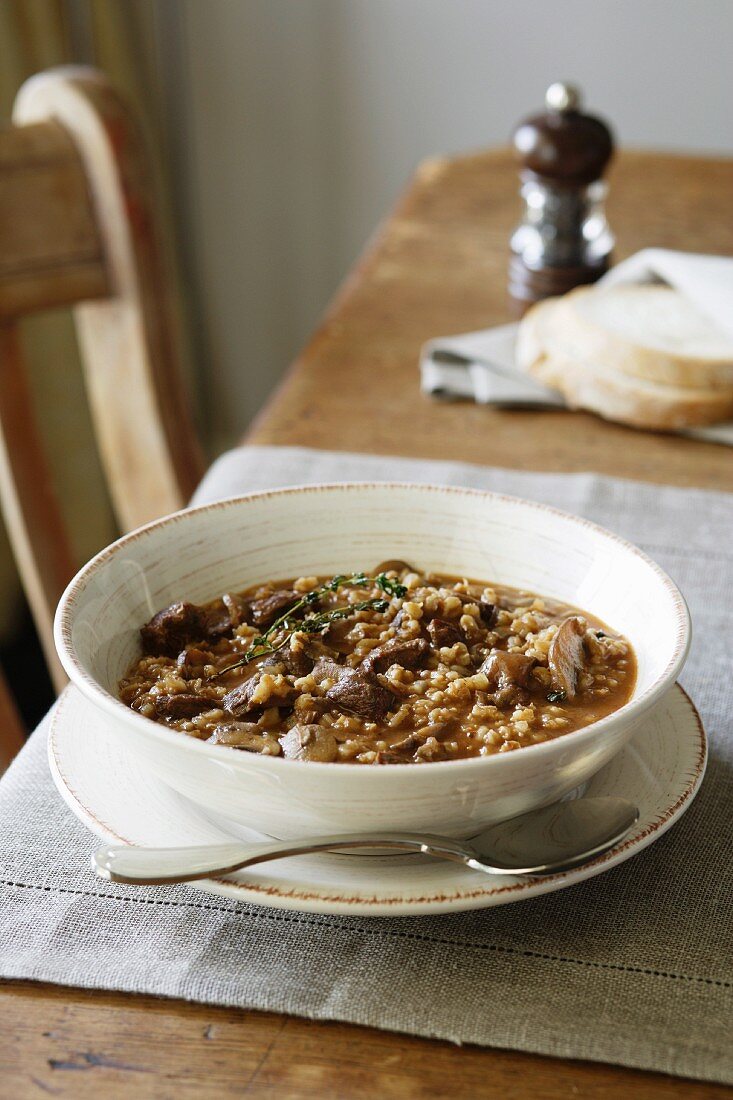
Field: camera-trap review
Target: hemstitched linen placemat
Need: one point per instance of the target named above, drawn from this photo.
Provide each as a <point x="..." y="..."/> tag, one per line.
<point x="634" y="967"/>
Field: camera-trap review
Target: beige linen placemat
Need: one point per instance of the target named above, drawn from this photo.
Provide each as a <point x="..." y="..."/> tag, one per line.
<point x="634" y="967"/>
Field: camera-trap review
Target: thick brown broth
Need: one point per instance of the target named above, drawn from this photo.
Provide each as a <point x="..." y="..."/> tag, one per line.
<point x="412" y="668"/>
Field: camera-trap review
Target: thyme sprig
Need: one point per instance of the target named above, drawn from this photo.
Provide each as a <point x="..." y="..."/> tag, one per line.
<point x="392" y="588"/>
<point x="288" y="623"/>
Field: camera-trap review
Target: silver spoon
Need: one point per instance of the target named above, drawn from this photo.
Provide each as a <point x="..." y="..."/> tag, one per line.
<point x="541" y="842"/>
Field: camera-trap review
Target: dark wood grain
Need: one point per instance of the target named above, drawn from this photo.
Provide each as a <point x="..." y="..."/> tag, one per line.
<point x="81" y="1045"/>
<point x="439" y="266"/>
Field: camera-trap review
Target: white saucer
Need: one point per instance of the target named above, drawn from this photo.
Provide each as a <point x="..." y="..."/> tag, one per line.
<point x="112" y="793"/>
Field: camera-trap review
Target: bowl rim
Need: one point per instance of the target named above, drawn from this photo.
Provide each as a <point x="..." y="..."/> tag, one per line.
<point x="78" y="675"/>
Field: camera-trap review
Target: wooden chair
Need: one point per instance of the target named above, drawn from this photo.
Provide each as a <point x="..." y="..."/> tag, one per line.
<point x="77" y="228"/>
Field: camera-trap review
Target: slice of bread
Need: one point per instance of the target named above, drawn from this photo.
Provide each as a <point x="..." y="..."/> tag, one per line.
<point x="589" y="382"/>
<point x="649" y="332"/>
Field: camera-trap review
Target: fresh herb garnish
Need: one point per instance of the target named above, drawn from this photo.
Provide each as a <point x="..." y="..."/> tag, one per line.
<point x="288" y="623"/>
<point x="314" y="624"/>
<point x="392" y="588"/>
<point x="555" y="697"/>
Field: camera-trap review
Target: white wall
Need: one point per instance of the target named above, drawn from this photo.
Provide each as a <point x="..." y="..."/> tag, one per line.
<point x="297" y="122"/>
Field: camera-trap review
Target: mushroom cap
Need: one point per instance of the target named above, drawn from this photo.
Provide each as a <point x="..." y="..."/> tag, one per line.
<point x="566" y="656"/>
<point x="311" y="742"/>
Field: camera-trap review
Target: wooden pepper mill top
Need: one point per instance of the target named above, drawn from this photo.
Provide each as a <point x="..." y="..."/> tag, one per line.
<point x="563" y="240"/>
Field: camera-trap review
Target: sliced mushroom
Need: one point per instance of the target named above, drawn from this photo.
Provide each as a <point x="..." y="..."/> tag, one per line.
<point x="384" y="756"/>
<point x="184" y="705"/>
<point x="442" y="730"/>
<point x="244" y="735"/>
<point x="438" y="731"/>
<point x="309" y="743"/>
<point x="410" y="743"/>
<point x="566" y="656"/>
<point x="508" y="676"/>
<point x="309" y="709"/>
<point x="191" y="662"/>
<point x="504" y="669"/>
<point x="431" y="750"/>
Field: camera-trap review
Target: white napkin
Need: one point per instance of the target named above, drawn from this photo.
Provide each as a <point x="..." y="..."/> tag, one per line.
<point x="480" y="366"/>
<point x="706" y="280"/>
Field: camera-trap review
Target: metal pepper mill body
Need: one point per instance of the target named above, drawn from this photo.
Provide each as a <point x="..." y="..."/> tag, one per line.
<point x="563" y="240"/>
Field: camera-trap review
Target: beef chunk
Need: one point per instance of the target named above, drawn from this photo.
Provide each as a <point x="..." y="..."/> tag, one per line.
<point x="566" y="656"/>
<point x="508" y="676"/>
<point x="191" y="661"/>
<point x="239" y="702"/>
<point x="297" y="662"/>
<point x="335" y="636"/>
<point x="489" y="613"/>
<point x="309" y="743"/>
<point x="243" y="735"/>
<point x="181" y="623"/>
<point x="398" y="651"/>
<point x="226" y="615"/>
<point x="217" y="621"/>
<point x="293" y="662"/>
<point x="264" y="611"/>
<point x="444" y="633"/>
<point x="185" y="705"/>
<point x="360" y="693"/>
<point x="173" y="628"/>
<point x="326" y="669"/>
<point x="238" y="608"/>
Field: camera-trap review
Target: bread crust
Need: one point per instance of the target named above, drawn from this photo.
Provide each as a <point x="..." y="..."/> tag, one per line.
<point x="611" y="393"/>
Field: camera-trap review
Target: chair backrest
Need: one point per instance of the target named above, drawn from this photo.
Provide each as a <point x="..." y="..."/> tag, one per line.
<point x="78" y="229"/>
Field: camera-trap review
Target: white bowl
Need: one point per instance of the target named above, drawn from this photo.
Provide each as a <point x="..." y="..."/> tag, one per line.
<point x="197" y="554"/>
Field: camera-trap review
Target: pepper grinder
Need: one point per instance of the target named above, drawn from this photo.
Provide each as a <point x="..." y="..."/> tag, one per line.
<point x="564" y="239"/>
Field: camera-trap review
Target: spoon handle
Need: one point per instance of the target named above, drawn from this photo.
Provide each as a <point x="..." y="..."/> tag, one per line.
<point x="158" y="866"/>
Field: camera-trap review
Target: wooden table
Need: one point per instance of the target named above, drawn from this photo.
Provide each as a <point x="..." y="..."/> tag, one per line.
<point x="439" y="266"/>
